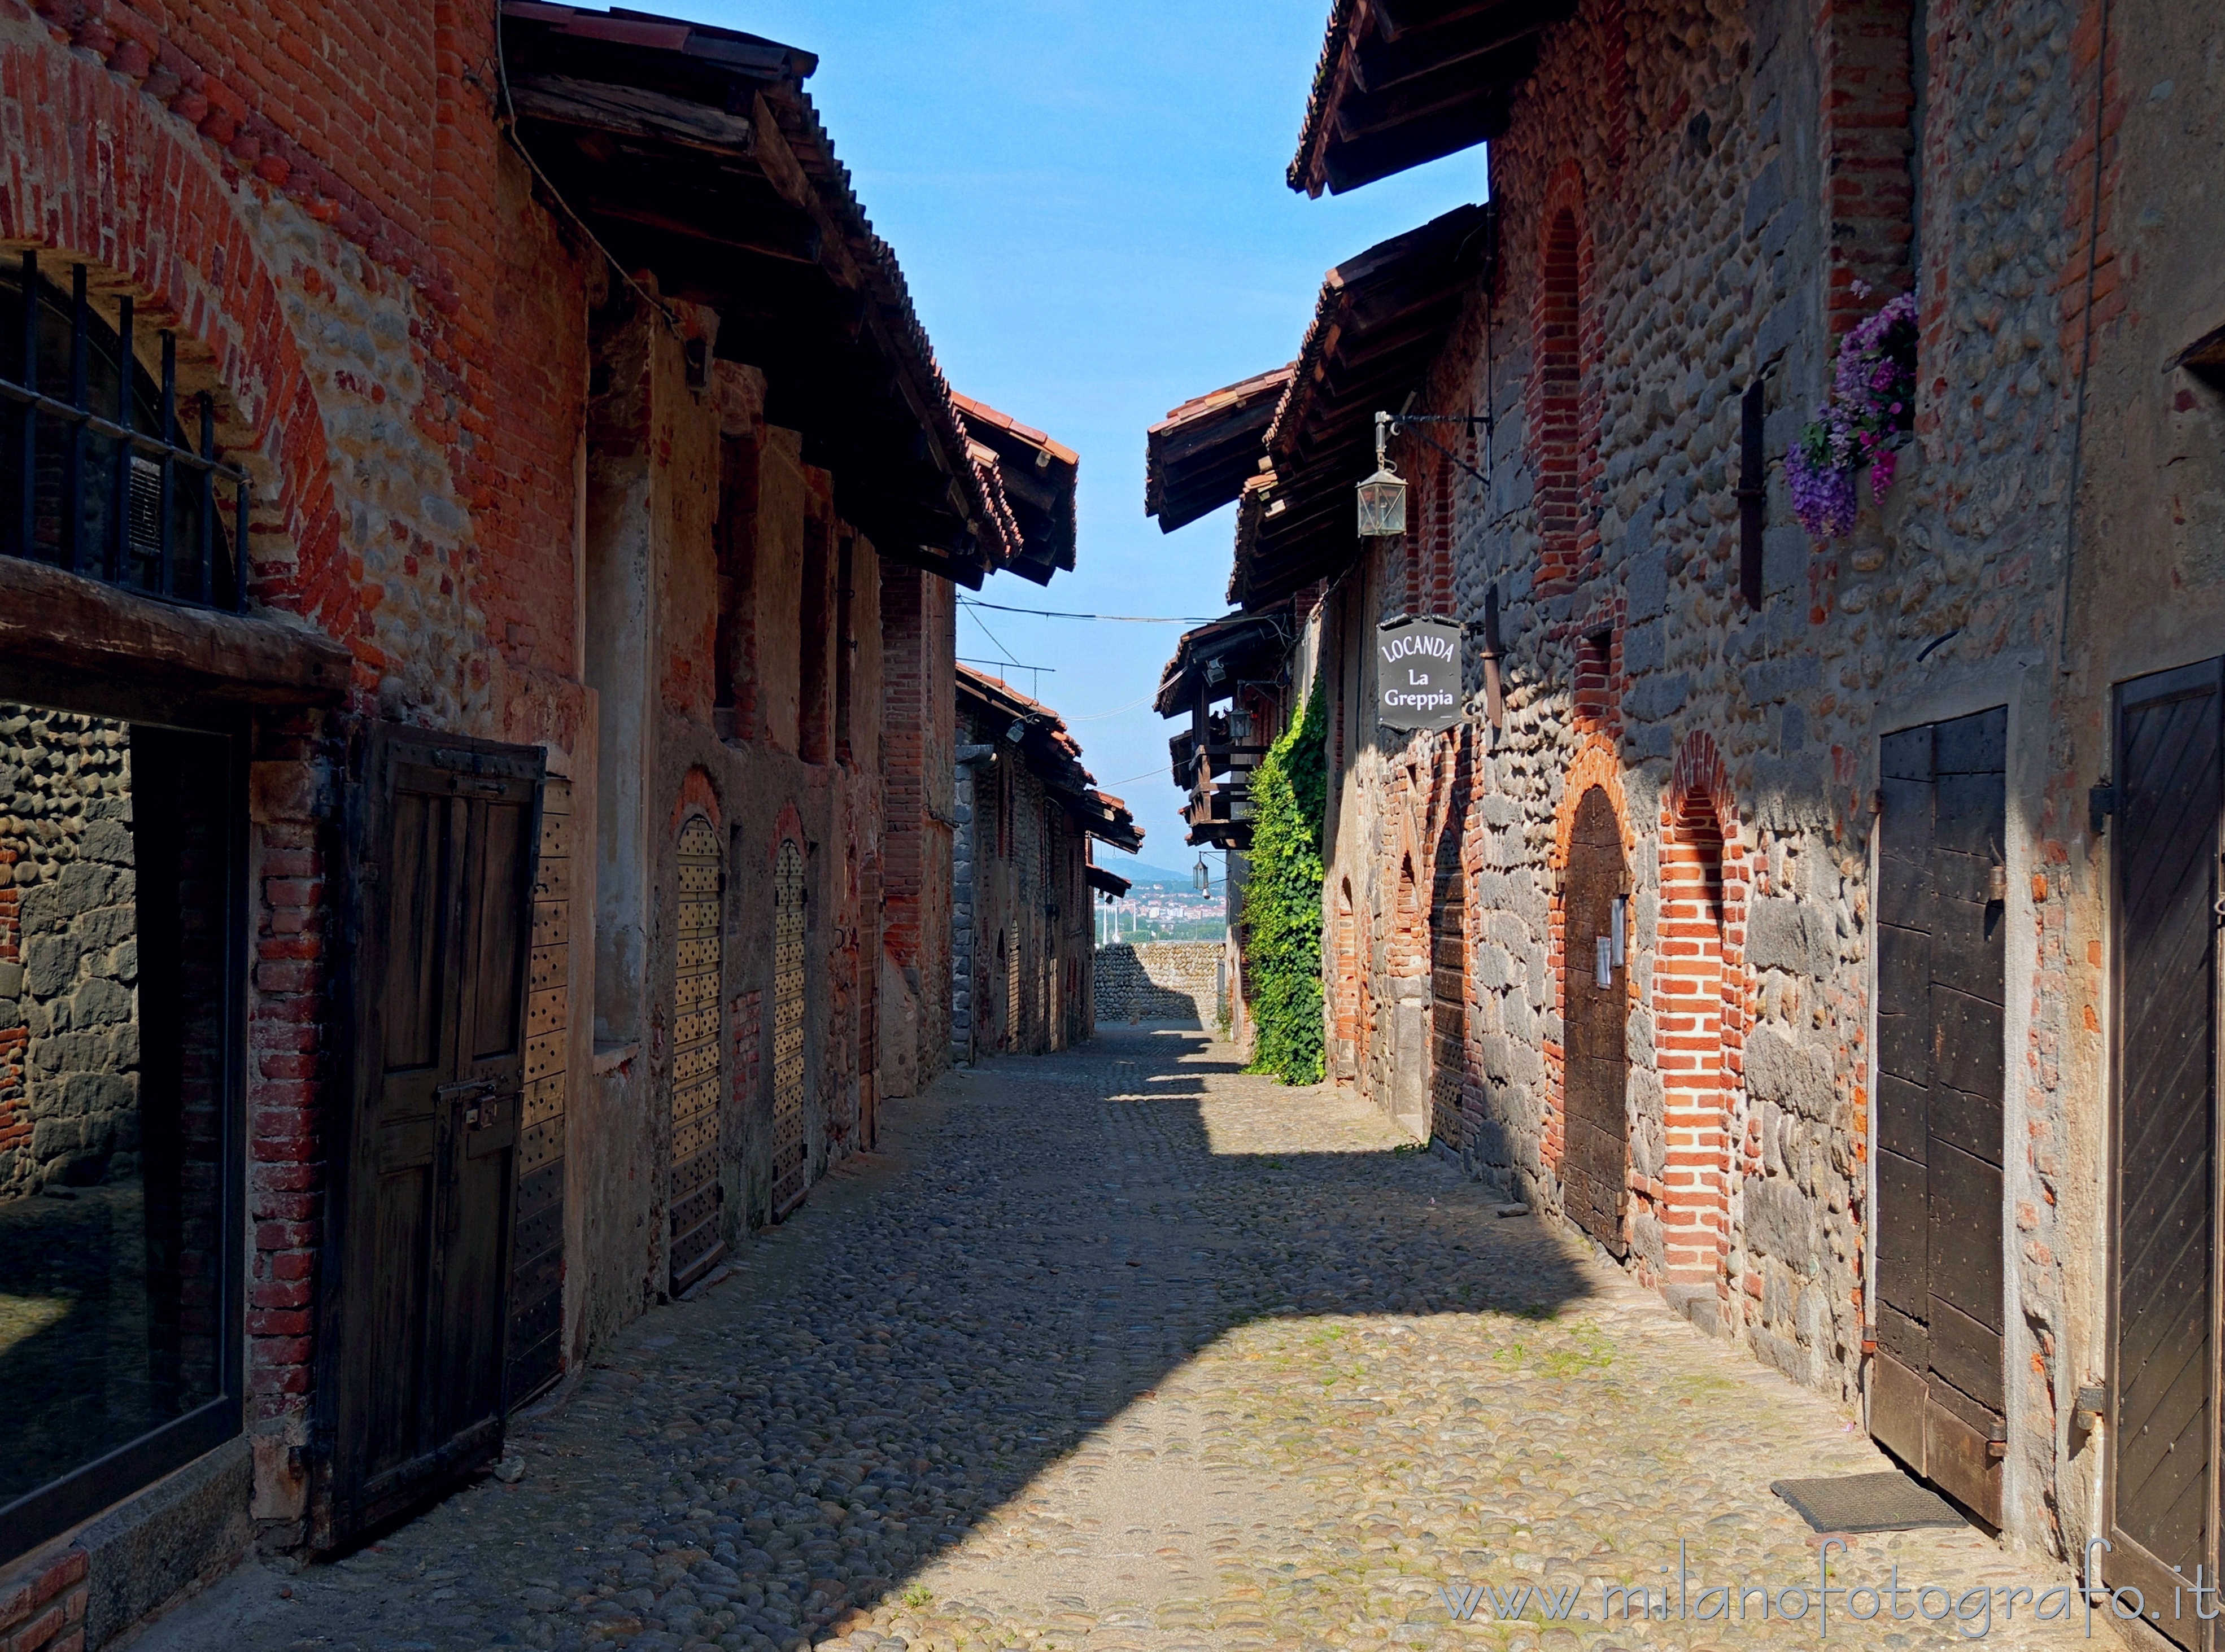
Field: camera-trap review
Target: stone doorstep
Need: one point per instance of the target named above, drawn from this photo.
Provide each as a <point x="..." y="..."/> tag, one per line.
<point x="138" y="1556"/>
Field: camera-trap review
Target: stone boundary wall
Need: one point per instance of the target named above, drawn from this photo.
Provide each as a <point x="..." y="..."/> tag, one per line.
<point x="1159" y="980"/>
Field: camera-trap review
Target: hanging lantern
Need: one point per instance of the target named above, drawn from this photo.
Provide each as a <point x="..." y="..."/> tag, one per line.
<point x="1382" y="495"/>
<point x="1204" y="877"/>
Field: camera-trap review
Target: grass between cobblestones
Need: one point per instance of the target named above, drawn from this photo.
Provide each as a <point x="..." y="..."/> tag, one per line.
<point x="1217" y="1367"/>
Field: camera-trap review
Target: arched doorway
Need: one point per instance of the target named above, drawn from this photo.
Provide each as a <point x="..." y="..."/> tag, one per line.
<point x="1595" y="1161"/>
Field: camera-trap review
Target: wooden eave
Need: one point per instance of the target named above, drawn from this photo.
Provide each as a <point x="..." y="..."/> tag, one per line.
<point x="1198" y="457"/>
<point x="693" y="152"/>
<point x="1401" y="82"/>
<point x="1241" y="639"/>
<point x="1038" y="478"/>
<point x="1380" y="322"/>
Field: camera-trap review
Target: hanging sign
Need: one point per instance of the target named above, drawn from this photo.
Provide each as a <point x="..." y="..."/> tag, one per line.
<point x="1418" y="674"/>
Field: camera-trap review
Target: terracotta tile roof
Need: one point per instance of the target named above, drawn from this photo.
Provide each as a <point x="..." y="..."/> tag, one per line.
<point x="1036" y="479"/>
<point x="1053" y="756"/>
<point x="982" y="413"/>
<point x="1381" y="319"/>
<point x="1196" y="459"/>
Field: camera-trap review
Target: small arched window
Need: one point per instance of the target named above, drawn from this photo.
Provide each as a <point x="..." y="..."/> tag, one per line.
<point x="103" y="472"/>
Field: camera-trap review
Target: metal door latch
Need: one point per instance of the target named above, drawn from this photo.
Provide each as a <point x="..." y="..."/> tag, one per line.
<point x="476" y="1097"/>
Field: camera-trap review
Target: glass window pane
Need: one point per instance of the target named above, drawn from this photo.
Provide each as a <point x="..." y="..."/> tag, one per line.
<point x="112" y="960"/>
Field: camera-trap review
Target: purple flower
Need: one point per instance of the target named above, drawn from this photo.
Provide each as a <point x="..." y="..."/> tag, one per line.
<point x="1823" y="495"/>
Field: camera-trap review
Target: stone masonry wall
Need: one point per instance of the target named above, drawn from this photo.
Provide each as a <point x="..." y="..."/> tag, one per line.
<point x="69" y="1034"/>
<point x="1158" y="980"/>
<point x="1696" y="195"/>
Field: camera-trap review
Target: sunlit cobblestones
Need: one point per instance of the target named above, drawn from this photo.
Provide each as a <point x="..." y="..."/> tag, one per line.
<point x="1219" y="1367"/>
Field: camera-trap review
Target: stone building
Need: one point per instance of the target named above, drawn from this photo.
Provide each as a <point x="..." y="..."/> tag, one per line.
<point x="1814" y="919"/>
<point x="1024" y="964"/>
<point x="1231" y="677"/>
<point x="478" y="554"/>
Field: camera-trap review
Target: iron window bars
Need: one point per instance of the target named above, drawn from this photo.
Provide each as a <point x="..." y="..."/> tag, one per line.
<point x="126" y="515"/>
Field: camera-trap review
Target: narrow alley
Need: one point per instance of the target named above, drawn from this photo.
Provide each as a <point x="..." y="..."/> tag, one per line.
<point x="1122" y="1348"/>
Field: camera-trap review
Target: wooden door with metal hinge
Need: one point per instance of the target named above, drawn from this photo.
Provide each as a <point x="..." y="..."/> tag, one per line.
<point x="2161" y="1465"/>
<point x="1937" y="1399"/>
<point x="411" y="1392"/>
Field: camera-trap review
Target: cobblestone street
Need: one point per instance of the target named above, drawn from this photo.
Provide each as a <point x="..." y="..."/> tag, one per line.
<point x="1156" y="1357"/>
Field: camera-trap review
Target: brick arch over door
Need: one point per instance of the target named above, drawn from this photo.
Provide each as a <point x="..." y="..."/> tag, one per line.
<point x="148" y="202"/>
<point x="1700" y="1009"/>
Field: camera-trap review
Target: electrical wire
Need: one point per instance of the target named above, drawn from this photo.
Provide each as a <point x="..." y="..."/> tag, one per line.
<point x="1011" y="658"/>
<point x="1124" y="619"/>
<point x="509" y="125"/>
<point x="1099" y="717"/>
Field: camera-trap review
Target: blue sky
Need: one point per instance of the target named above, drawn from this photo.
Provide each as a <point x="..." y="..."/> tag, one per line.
<point x="1088" y="199"/>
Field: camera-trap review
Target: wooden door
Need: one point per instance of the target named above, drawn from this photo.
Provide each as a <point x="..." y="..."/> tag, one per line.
<point x="695" y="1247"/>
<point x="1595" y="1162"/>
<point x="2164" y="1376"/>
<point x="1937" y="1396"/>
<point x="411" y="1380"/>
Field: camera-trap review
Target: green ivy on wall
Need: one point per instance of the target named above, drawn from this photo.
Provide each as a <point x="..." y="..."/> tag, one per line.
<point x="1283" y="901"/>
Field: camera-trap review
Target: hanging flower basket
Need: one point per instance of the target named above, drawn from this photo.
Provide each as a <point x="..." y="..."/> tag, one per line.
<point x="1870" y="414"/>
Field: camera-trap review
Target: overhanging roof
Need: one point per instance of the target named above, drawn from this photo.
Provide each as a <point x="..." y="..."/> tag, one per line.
<point x="1036" y="478"/>
<point x="1400" y="82"/>
<point x="1240" y="645"/>
<point x="692" y="152"/>
<point x="1112" y="882"/>
<point x="1053" y="756"/>
<point x="1381" y="320"/>
<point x="1197" y="459"/>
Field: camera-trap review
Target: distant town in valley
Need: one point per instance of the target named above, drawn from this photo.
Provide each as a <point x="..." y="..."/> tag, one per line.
<point x="1160" y="905"/>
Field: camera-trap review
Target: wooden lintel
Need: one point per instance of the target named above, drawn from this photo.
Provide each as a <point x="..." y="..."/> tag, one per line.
<point x="65" y="622"/>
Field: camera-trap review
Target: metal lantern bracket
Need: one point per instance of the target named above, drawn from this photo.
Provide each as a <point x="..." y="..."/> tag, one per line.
<point x="1398" y="422"/>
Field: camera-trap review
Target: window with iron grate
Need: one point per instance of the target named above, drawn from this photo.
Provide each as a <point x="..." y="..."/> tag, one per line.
<point x="99" y="474"/>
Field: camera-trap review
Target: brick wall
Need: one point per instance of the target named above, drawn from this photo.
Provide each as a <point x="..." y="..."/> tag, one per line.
<point x="42" y="1603"/>
<point x="394" y="330"/>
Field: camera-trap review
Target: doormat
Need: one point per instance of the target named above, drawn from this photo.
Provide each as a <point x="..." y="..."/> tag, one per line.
<point x="1891" y="1502"/>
